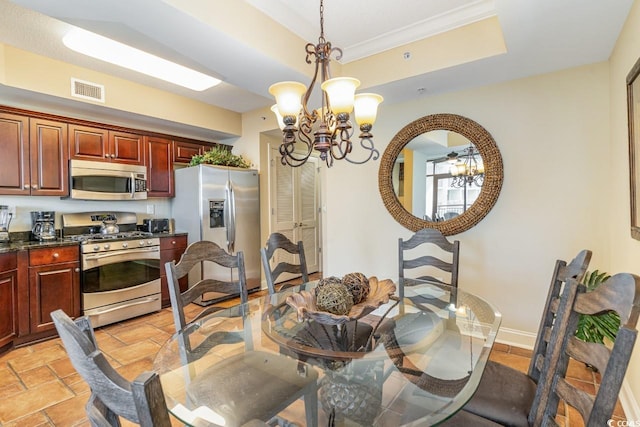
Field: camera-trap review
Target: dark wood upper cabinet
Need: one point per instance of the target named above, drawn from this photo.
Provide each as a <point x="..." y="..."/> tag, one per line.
<point x="159" y="159"/>
<point x="126" y="148"/>
<point x="15" y="178"/>
<point x="49" y="160"/>
<point x="35" y="156"/>
<point x="183" y="151"/>
<point x="89" y="143"/>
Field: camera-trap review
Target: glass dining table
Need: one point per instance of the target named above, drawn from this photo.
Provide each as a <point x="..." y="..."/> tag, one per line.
<point x="414" y="362"/>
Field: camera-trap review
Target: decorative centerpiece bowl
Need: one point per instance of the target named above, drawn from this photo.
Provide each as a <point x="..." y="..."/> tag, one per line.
<point x="304" y="302"/>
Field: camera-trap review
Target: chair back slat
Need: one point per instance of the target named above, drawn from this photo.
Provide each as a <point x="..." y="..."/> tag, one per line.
<point x="562" y="271"/>
<point x="619" y="293"/>
<point x="446" y="261"/>
<point x="198" y="253"/>
<point x="280" y="241"/>
<point x="112" y="396"/>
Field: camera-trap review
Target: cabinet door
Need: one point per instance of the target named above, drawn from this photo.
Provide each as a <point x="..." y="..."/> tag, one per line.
<point x="14" y="137"/>
<point x="184" y="151"/>
<point x="49" y="158"/>
<point x="126" y="148"/>
<point x="159" y="159"/>
<point x="8" y="299"/>
<point x="88" y="143"/>
<point x="53" y="287"/>
<point x="171" y="249"/>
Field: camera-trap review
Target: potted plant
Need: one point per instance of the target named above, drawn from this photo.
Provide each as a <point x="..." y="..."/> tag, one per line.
<point x="219" y="155"/>
<point x="601" y="327"/>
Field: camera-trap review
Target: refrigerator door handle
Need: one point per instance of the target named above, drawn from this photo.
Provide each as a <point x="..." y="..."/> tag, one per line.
<point x="230" y="220"/>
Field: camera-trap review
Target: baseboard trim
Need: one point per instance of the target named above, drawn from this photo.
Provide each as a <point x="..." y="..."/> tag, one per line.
<point x="516" y="338"/>
<point x="629" y="402"/>
<point x="527" y="340"/>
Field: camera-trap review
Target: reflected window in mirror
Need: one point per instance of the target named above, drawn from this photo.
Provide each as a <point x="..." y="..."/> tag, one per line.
<point x="438" y="175"/>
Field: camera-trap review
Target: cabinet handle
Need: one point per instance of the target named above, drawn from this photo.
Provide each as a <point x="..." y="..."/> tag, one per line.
<point x="173" y="242"/>
<point x="113" y="156"/>
<point x="34" y="186"/>
<point x="77" y="270"/>
<point x="56" y="255"/>
<point x="106" y="156"/>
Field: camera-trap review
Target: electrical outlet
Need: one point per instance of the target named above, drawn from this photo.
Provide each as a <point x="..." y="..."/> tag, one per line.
<point x="12" y="211"/>
<point x="151" y="209"/>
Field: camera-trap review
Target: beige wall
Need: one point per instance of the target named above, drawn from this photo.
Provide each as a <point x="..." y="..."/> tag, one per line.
<point x="625" y="251"/>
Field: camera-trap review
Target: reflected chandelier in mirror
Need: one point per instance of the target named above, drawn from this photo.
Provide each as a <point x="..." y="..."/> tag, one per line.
<point x="481" y="162"/>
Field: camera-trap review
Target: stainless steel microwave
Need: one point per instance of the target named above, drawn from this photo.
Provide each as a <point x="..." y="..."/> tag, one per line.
<point x="107" y="181"/>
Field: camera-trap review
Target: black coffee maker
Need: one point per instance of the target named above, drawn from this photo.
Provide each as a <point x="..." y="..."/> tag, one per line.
<point x="44" y="225"/>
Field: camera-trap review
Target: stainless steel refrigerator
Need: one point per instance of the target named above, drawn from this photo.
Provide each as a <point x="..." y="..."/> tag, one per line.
<point x="220" y="204"/>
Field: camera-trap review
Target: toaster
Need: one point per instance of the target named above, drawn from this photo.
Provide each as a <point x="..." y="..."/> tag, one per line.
<point x="156" y="225"/>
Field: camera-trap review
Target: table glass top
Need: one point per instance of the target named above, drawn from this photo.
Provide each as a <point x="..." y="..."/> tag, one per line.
<point x="412" y="362"/>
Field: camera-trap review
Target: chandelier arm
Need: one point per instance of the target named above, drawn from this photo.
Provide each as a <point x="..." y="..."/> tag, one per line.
<point x="367" y="144"/>
<point x="345" y="140"/>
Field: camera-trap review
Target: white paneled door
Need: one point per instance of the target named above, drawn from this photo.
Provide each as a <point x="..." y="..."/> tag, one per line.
<point x="294" y="208"/>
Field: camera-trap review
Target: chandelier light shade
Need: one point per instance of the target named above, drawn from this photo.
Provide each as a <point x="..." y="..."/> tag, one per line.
<point x="327" y="129"/>
<point x="466" y="169"/>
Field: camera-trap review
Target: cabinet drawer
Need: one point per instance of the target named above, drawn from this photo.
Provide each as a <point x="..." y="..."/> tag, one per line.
<point x="54" y="255"/>
<point x="173" y="242"/>
<point x="8" y="262"/>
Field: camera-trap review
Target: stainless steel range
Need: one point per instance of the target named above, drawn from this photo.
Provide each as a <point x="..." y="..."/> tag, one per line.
<point x="120" y="266"/>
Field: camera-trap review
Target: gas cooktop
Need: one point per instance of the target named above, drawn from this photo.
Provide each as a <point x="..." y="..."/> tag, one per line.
<point x="92" y="237"/>
<point x="87" y="227"/>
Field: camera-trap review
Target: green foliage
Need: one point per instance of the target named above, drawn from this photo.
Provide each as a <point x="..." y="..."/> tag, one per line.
<point x="595" y="328"/>
<point x="219" y="156"/>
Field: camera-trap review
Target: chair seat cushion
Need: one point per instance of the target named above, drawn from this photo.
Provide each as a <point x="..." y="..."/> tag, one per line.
<point x="504" y="395"/>
<point x="251" y="385"/>
<point x="467" y="419"/>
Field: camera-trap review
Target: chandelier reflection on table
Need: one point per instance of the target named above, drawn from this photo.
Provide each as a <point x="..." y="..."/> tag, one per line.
<point x="327" y="129"/>
<point x="466" y="168"/>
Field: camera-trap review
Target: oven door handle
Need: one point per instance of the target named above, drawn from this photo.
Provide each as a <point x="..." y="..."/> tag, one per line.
<point x="120" y="253"/>
<point x="121" y="306"/>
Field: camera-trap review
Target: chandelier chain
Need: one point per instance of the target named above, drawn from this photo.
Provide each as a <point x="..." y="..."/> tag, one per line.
<point x="321" y="39"/>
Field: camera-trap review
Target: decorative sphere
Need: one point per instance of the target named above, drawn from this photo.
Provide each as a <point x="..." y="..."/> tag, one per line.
<point x="325" y="281"/>
<point x="358" y="285"/>
<point x="334" y="298"/>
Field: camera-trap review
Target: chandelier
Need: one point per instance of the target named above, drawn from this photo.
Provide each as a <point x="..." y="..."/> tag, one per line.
<point x="327" y="129"/>
<point x="465" y="168"/>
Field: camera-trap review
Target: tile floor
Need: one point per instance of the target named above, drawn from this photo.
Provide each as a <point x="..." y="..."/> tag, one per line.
<point x="39" y="387"/>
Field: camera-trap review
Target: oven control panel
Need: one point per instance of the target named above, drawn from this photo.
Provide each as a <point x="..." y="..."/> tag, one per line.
<point x="120" y="245"/>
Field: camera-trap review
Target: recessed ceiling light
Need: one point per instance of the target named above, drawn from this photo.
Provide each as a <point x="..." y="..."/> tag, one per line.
<point x="120" y="54"/>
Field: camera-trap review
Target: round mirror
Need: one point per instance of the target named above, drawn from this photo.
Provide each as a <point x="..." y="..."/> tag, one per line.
<point x="441" y="171"/>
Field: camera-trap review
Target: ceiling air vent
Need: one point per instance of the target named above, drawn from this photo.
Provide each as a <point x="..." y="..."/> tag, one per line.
<point x="87" y="90"/>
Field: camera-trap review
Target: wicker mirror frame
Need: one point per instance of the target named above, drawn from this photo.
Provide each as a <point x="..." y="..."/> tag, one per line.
<point x="491" y="158"/>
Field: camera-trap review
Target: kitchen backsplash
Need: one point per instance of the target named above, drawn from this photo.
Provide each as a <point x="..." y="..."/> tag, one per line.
<point x="23" y="205"/>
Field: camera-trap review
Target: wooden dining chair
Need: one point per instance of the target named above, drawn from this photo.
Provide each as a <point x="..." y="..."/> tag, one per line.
<point x="197" y="253"/>
<point x="621" y="294"/>
<point x="226" y="384"/>
<point x="505" y="394"/>
<point x="278" y="241"/>
<point x="428" y="263"/>
<point x="112" y="396"/>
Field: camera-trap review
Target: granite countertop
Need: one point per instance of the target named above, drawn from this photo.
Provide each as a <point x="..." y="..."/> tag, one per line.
<point x="21" y="245"/>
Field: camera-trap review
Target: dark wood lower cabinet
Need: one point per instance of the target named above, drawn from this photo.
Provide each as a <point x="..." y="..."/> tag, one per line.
<point x="171" y="249"/>
<point x="54" y="283"/>
<point x="8" y="299"/>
